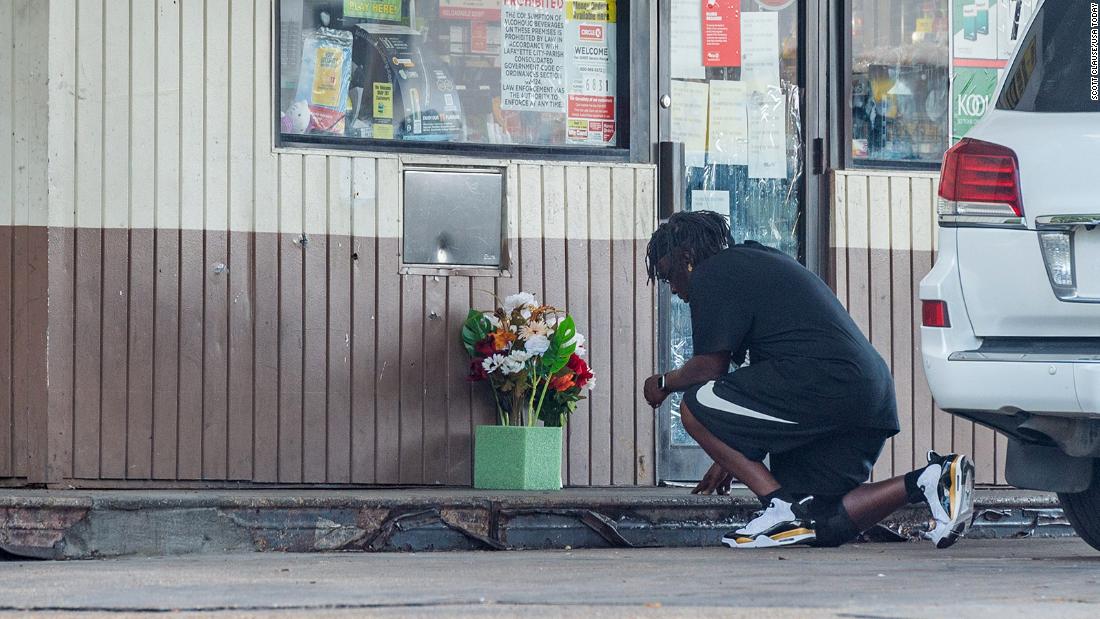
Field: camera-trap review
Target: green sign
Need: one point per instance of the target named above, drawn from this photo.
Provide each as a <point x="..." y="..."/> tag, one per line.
<point x="385" y="10"/>
<point x="972" y="97"/>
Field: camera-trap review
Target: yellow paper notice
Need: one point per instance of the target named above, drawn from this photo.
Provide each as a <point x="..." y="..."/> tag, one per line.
<point x="591" y="10"/>
<point x="383" y="100"/>
<point x="326" y="77"/>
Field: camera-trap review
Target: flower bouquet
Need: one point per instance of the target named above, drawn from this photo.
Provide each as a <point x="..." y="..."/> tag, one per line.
<point x="533" y="359"/>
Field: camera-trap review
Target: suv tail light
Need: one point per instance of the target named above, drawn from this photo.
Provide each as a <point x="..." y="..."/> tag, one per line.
<point x="934" y="314"/>
<point x="980" y="186"/>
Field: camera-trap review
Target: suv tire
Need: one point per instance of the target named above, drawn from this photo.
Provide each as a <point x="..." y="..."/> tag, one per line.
<point x="1083" y="509"/>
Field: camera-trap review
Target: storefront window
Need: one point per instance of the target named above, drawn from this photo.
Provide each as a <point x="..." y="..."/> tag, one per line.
<point x="900" y="85"/>
<point x="518" y="72"/>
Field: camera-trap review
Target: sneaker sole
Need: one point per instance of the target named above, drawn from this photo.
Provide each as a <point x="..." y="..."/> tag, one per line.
<point x="787" y="538"/>
<point x="961" y="497"/>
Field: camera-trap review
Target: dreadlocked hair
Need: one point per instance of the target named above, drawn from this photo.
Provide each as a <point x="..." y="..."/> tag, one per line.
<point x="701" y="233"/>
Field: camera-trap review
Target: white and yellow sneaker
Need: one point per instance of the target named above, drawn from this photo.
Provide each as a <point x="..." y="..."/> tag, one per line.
<point x="781" y="524"/>
<point x="948" y="486"/>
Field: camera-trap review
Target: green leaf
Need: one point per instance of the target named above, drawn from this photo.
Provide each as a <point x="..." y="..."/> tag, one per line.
<point x="561" y="347"/>
<point x="558" y="407"/>
<point x="474" y="329"/>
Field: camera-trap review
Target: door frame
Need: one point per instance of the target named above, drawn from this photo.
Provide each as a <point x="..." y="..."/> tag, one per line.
<point x="818" y="69"/>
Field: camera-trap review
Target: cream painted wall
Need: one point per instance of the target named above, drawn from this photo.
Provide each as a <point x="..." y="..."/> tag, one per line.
<point x="23" y="68"/>
<point x="170" y="136"/>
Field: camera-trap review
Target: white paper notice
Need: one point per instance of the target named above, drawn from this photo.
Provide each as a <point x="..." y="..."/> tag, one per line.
<point x="767" y="133"/>
<point x="686" y="40"/>
<point x="766" y="102"/>
<point x="590" y="72"/>
<point x="532" y="76"/>
<point x="728" y="132"/>
<point x="717" y="201"/>
<point x="689" y="119"/>
<point x="760" y="49"/>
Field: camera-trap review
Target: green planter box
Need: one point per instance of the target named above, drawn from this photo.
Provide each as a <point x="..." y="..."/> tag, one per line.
<point x="517" y="458"/>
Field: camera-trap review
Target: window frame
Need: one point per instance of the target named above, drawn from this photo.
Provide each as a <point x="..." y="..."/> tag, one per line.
<point x="845" y="132"/>
<point x="634" y="31"/>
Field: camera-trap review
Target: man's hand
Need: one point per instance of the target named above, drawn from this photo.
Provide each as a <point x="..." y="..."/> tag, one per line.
<point x="716" y="480"/>
<point x="653" y="394"/>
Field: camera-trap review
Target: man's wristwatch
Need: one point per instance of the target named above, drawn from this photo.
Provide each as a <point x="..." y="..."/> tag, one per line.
<point x="661" y="383"/>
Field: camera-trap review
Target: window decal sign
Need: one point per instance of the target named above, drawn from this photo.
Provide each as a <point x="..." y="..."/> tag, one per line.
<point x="721" y="33"/>
<point x="532" y="76"/>
<point x="774" y="5"/>
<point x="972" y="97"/>
<point x="590" y="71"/>
<point x="385" y="10"/>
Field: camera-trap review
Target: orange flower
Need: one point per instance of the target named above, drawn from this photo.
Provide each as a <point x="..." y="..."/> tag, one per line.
<point x="502" y="338"/>
<point x="562" y="382"/>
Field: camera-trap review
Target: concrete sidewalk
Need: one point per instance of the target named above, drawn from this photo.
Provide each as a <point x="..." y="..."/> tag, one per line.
<point x="81" y="524"/>
<point x="975" y="578"/>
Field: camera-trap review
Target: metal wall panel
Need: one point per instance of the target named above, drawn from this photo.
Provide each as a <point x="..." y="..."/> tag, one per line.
<point x="883" y="243"/>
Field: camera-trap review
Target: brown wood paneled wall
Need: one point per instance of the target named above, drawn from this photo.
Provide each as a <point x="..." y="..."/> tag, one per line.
<point x="884" y="238"/>
<point x="306" y="357"/>
<point x="24" y="30"/>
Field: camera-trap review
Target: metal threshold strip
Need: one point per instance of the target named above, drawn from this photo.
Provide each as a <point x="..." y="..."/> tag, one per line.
<point x="977" y="355"/>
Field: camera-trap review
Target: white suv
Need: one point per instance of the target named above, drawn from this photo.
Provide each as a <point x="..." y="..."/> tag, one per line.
<point x="1011" y="324"/>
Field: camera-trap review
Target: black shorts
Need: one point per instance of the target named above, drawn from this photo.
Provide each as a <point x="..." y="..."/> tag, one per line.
<point x="808" y="455"/>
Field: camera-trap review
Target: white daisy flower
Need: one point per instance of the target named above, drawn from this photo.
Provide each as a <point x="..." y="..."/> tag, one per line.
<point x="514" y="362"/>
<point x="492" y="363"/>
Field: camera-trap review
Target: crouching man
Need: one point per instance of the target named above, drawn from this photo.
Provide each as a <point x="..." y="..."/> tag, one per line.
<point x="815" y="395"/>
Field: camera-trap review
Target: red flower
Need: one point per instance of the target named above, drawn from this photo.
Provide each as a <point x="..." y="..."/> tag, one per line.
<point x="477" y="371"/>
<point x="580" y="369"/>
<point x="561" y="382"/>
<point x="485" y="348"/>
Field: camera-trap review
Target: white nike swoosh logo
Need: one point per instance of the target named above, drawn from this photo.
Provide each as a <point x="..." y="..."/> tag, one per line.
<point x="708" y="398"/>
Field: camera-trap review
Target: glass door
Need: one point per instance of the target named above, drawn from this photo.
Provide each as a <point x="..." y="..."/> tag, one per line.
<point x="732" y="124"/>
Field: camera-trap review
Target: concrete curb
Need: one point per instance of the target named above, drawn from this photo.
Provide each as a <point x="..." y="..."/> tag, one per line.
<point x="82" y="524"/>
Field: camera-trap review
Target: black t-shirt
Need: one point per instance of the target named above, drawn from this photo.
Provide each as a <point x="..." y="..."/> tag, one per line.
<point x="807" y="358"/>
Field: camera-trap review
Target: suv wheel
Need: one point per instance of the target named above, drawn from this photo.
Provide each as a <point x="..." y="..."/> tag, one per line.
<point x="1083" y="509"/>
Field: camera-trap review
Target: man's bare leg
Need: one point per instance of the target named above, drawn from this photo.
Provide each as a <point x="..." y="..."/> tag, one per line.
<point x="749" y="472"/>
<point x="868" y="504"/>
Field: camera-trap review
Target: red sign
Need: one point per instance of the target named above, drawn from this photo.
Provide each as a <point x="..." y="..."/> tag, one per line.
<point x="589" y="32"/>
<point x="475" y="10"/>
<point x="592" y="106"/>
<point x="721" y="33"/>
